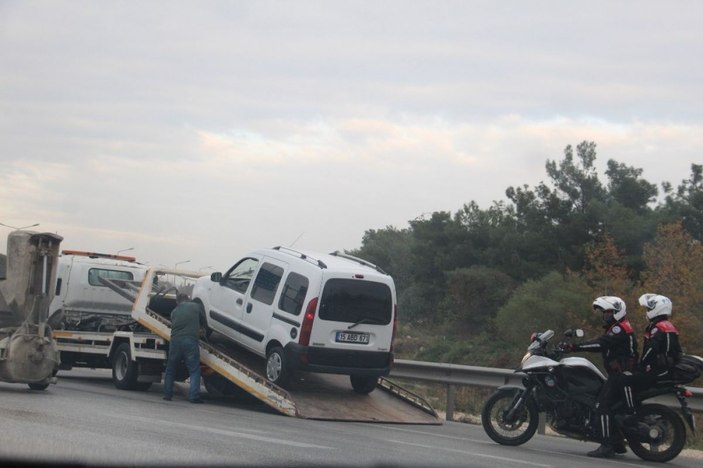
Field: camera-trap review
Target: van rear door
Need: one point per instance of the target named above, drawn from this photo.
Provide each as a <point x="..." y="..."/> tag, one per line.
<point x="355" y="314"/>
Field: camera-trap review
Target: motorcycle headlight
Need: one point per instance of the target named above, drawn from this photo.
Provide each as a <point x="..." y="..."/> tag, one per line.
<point x="550" y="381"/>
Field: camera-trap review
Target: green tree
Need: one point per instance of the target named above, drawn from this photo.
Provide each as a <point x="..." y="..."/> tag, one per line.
<point x="473" y="297"/>
<point x="686" y="203"/>
<point x="555" y="301"/>
<point x="627" y="188"/>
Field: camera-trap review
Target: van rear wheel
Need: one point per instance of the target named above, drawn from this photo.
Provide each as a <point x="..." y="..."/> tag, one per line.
<point x="363" y="385"/>
<point x="276" y="366"/>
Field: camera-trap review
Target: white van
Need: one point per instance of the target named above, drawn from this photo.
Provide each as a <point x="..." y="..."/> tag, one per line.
<point x="329" y="313"/>
<point x="81" y="299"/>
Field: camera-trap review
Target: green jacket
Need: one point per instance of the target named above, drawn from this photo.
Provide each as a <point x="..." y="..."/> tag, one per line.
<point x="185" y="319"/>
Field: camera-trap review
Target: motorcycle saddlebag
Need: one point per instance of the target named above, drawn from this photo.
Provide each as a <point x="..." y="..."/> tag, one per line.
<point x="688" y="368"/>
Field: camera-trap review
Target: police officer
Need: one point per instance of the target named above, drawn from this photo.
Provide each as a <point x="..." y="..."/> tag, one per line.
<point x="618" y="345"/>
<point x="661" y="350"/>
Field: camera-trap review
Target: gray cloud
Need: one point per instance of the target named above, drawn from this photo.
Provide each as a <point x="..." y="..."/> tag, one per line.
<point x="202" y="130"/>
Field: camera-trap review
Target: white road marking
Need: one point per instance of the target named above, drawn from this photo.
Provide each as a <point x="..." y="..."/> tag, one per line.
<point x="241" y="435"/>
<point x="473" y="454"/>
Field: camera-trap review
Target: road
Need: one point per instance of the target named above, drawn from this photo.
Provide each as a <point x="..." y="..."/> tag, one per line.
<point x="84" y="420"/>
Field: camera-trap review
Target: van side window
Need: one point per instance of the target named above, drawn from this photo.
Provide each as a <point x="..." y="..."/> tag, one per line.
<point x="294" y="291"/>
<point x="266" y="283"/>
<point x="95" y="273"/>
<point x="240" y="275"/>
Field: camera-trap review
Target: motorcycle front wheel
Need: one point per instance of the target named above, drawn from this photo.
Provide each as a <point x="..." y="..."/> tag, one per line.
<point x="507" y="429"/>
<point x="659" y="434"/>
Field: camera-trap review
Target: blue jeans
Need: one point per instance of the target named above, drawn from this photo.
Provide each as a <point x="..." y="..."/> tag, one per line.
<point x="184" y="348"/>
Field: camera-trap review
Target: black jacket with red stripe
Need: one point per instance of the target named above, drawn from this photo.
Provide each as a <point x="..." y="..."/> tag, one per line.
<point x="661" y="346"/>
<point x="618" y="346"/>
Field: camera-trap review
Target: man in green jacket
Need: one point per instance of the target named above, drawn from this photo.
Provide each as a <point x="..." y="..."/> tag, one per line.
<point x="185" y="331"/>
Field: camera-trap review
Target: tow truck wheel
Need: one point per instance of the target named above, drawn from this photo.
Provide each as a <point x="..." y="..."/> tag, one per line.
<point x="125" y="371"/>
<point x="276" y="367"/>
<point x="363" y="385"/>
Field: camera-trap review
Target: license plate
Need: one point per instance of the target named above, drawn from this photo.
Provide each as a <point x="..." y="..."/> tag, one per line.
<point x="352" y="337"/>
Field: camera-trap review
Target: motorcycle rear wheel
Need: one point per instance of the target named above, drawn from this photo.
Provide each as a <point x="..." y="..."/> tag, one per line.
<point x="665" y="434"/>
<point x="515" y="432"/>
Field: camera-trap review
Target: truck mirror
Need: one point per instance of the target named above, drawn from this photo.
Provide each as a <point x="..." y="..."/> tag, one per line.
<point x="216" y="277"/>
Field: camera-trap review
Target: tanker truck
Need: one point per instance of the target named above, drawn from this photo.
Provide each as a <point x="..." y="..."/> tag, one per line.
<point x="28" y="352"/>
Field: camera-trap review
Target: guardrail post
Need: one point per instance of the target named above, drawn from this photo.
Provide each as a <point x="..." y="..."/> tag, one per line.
<point x="451" y="392"/>
<point x="542" y="427"/>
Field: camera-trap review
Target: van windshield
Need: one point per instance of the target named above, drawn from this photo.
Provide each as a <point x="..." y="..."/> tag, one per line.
<point x="348" y="300"/>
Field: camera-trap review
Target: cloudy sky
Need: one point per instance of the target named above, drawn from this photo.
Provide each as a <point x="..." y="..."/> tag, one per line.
<point x="201" y="130"/>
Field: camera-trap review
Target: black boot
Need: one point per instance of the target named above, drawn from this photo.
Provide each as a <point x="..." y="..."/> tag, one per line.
<point x="620" y="448"/>
<point x="604" y="451"/>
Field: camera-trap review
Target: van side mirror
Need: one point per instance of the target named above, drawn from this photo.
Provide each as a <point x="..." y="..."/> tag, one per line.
<point x="216" y="277"/>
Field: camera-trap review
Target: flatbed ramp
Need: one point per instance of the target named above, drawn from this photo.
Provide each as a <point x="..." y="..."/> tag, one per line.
<point x="310" y="396"/>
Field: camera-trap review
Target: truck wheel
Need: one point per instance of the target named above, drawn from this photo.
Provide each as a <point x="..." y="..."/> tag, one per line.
<point x="363" y="385"/>
<point x="276" y="366"/>
<point x="125" y="371"/>
<point x="38" y="386"/>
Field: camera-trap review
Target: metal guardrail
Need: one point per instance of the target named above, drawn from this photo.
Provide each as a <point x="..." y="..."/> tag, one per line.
<point x="452" y="375"/>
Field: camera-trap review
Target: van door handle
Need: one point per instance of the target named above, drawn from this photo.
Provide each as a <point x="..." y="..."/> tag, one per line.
<point x="249" y="306"/>
<point x="240" y="301"/>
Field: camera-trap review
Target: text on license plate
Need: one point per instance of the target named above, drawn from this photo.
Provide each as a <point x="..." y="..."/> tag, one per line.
<point x="349" y="337"/>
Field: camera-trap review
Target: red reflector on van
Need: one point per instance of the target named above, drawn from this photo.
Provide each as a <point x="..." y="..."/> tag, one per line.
<point x="308" y="318"/>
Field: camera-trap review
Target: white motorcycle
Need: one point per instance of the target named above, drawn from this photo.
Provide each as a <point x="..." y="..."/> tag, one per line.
<point x="566" y="390"/>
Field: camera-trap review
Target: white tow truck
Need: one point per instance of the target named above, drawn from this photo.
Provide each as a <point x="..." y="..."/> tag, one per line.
<point x="93" y="326"/>
<point x="133" y="342"/>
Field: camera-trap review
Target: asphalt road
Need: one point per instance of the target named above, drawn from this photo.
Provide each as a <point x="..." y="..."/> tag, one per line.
<point x="84" y="420"/>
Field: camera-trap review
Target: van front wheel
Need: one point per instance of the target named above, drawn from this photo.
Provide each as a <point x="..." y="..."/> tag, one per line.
<point x="276" y="366"/>
<point x="363" y="385"/>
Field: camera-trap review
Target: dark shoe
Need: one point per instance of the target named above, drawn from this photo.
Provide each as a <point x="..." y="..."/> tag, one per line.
<point x="167" y="398"/>
<point x="197" y="400"/>
<point x="620" y="448"/>
<point x="604" y="451"/>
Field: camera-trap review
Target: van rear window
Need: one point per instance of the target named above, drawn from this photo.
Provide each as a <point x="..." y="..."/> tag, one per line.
<point x="348" y="300"/>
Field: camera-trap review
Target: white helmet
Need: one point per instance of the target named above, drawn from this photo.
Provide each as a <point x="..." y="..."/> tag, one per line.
<point x="613" y="303"/>
<point x="657" y="305"/>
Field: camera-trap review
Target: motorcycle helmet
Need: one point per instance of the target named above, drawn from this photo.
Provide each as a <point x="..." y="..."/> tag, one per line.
<point x="656" y="305"/>
<point x="610" y="303"/>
